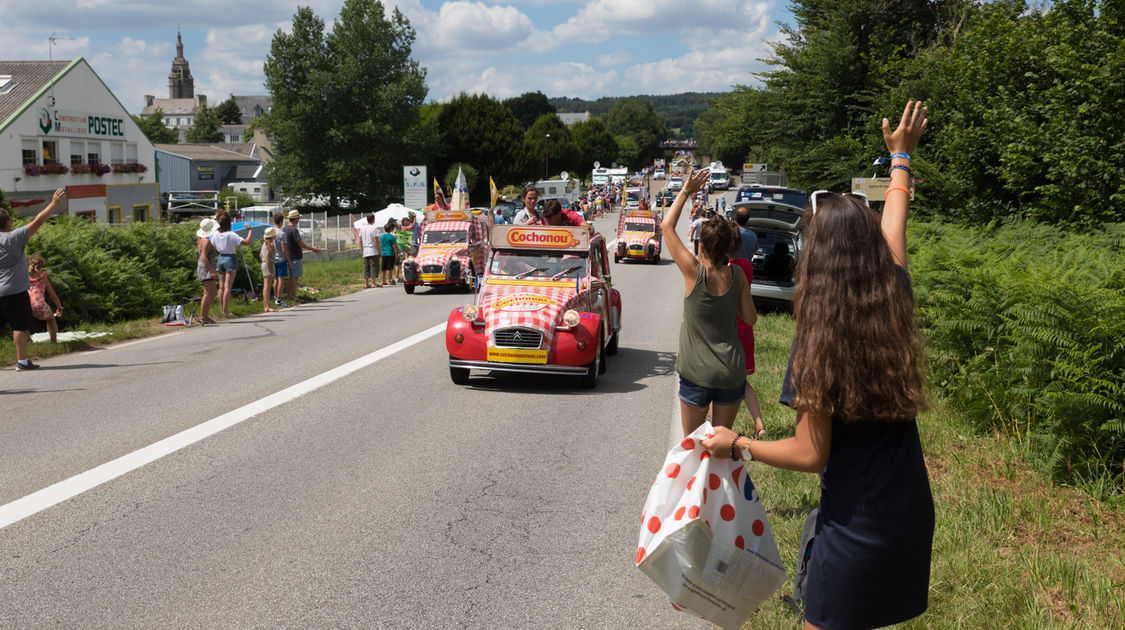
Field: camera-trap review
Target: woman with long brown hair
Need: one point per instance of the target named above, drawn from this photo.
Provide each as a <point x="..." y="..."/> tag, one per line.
<point x="855" y="380"/>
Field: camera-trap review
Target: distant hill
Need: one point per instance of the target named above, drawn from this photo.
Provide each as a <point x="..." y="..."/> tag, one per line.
<point x="679" y="111"/>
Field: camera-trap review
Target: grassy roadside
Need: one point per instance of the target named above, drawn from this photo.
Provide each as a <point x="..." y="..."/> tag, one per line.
<point x="1010" y="550"/>
<point x="328" y="278"/>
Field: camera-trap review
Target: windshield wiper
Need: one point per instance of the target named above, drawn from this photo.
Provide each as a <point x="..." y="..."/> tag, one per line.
<point x="566" y="271"/>
<point x="530" y="271"/>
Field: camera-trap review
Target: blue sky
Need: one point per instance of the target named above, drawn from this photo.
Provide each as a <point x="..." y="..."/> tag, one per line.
<point x="586" y="49"/>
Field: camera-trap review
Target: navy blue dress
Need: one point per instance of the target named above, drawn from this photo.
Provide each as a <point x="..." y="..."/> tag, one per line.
<point x="870" y="563"/>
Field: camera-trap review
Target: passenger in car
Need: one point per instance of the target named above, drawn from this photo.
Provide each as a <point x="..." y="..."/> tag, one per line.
<point x="555" y="214"/>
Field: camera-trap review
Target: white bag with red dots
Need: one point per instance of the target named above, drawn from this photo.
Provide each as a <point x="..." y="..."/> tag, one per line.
<point x="705" y="538"/>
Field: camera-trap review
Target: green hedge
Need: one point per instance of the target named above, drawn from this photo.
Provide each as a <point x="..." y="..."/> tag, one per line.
<point x="114" y="273"/>
<point x="1025" y="326"/>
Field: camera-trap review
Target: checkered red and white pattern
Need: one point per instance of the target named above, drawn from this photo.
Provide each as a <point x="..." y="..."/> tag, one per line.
<point x="562" y="296"/>
<point x="440" y="254"/>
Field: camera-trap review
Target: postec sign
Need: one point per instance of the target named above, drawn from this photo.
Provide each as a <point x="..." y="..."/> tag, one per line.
<point x="58" y="122"/>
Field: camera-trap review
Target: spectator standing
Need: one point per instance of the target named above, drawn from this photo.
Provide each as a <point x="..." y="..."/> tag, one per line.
<point x="855" y="381"/>
<point x="388" y="249"/>
<point x="528" y="214"/>
<point x="498" y="217"/>
<point x="226" y="244"/>
<point x="696" y="228"/>
<point x="710" y="360"/>
<point x="295" y="247"/>
<point x="266" y="255"/>
<point x="15" y="303"/>
<point x="741" y="259"/>
<point x="280" y="260"/>
<point x="205" y="267"/>
<point x="369" y="237"/>
<point x="38" y="293"/>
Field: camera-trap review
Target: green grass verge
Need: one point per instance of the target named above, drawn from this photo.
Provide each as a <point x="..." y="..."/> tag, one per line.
<point x="1010" y="550"/>
<point x="326" y="279"/>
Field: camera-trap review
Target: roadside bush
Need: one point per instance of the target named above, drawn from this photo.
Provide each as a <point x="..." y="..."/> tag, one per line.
<point x="113" y="273"/>
<point x="1025" y="326"/>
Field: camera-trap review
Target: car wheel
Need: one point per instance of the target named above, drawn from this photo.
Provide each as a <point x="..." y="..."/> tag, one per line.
<point x="459" y="376"/>
<point x="617" y="259"/>
<point x="593" y="369"/>
<point x="611" y="347"/>
<point x="409" y="288"/>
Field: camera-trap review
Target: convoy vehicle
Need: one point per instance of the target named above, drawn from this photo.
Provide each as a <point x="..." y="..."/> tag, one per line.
<point x="776" y="217"/>
<point x="570" y="189"/>
<point x="675" y="183"/>
<point x="639" y="236"/>
<point x="634" y="196"/>
<point x="658" y="173"/>
<point x="546" y="305"/>
<point x="720" y="179"/>
<point x="664" y="199"/>
<point x="600" y="177"/>
<point x="452" y="251"/>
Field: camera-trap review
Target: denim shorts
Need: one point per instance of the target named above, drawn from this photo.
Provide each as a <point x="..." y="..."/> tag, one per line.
<point x="227" y="262"/>
<point x="701" y="396"/>
<point x="281" y="269"/>
<point x="297" y="268"/>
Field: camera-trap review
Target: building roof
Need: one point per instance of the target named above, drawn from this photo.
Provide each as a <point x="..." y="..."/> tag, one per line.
<point x="28" y="78"/>
<point x="173" y="106"/>
<point x="252" y="106"/>
<point x="230" y="152"/>
<point x="571" y="118"/>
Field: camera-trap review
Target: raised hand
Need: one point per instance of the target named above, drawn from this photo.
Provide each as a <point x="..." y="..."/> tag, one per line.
<point x="904" y="139"/>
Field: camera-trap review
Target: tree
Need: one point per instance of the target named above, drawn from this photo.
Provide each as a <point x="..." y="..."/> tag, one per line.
<point x="636" y="119"/>
<point x="528" y="107"/>
<point x="549" y="155"/>
<point x="153" y="128"/>
<point x="594" y="143"/>
<point x="229" y="112"/>
<point x="478" y="130"/>
<point x="205" y="127"/>
<point x="345" y="104"/>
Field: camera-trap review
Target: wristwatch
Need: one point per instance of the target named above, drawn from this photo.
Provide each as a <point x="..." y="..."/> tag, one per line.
<point x="747" y="456"/>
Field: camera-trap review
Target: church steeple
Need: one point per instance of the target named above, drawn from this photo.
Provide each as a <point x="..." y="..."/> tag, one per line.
<point x="180" y="83"/>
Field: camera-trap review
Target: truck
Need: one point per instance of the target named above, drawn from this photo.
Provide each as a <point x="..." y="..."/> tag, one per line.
<point x="720" y="178"/>
<point x="555" y="188"/>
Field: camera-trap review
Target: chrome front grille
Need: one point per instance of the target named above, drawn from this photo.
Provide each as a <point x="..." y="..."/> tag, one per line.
<point x="517" y="338"/>
<point x="432" y="269"/>
<point x="636" y="247"/>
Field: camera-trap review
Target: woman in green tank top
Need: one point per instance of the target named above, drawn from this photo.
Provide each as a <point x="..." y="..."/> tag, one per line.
<point x="710" y="360"/>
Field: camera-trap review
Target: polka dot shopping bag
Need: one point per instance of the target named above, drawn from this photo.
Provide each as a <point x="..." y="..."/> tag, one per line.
<point x="705" y="539"/>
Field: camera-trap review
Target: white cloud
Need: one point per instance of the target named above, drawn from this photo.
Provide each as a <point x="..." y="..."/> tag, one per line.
<point x="615" y="58"/>
<point x="513" y="79"/>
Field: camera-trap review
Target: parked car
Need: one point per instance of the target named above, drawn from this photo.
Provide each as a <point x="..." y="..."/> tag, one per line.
<point x="776" y="218"/>
<point x="546" y="306"/>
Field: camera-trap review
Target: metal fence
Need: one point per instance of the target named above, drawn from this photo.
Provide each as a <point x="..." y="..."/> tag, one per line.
<point x="330" y="233"/>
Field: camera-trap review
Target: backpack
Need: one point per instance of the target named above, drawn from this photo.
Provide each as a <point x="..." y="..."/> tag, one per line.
<point x="173" y="315"/>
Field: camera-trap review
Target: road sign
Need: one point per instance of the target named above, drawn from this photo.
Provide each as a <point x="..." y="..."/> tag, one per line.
<point x="754" y="168"/>
<point x="874" y="187"/>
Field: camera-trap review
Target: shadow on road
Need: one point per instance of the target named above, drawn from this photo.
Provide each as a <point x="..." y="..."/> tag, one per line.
<point x="624" y="373"/>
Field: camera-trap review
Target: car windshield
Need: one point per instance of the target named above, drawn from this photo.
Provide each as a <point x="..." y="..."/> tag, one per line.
<point x="633" y="196"/>
<point x="435" y="237"/>
<point x="796" y="198"/>
<point x="637" y="226"/>
<point x="535" y="265"/>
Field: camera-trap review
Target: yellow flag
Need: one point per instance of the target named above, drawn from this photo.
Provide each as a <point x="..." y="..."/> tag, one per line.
<point x="493" y="191"/>
<point x="437" y="188"/>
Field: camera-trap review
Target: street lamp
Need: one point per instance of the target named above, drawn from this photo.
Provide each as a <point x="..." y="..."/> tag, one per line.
<point x="547" y="158"/>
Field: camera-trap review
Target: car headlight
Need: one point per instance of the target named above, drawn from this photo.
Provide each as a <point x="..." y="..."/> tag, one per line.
<point x="470" y="312"/>
<point x="571" y="318"/>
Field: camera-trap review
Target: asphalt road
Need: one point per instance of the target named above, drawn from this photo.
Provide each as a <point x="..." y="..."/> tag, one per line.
<point x="354" y="489"/>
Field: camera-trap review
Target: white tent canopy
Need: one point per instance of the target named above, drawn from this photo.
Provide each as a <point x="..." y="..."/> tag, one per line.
<point x="395" y="211"/>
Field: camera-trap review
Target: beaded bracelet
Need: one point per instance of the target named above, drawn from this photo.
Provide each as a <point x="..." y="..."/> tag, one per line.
<point x="904" y="156"/>
<point x="734" y="445"/>
<point x="902" y="188"/>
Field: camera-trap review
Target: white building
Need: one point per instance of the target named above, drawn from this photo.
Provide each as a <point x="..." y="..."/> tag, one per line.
<point x="61" y="127"/>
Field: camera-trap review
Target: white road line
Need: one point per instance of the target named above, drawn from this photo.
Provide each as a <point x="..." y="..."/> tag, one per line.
<point x="145" y="340"/>
<point x="52" y="495"/>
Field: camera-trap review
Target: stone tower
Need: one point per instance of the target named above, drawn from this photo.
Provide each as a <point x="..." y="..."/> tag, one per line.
<point x="180" y="83"/>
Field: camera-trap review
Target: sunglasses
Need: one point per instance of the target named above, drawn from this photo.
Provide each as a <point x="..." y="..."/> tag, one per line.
<point x="823" y="193"/>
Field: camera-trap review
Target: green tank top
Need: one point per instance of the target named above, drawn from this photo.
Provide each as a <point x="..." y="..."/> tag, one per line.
<point x="710" y="353"/>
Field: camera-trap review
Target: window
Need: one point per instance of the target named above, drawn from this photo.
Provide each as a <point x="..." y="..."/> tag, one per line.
<point x="50" y="152"/>
<point x="113" y="214"/>
<point x="116" y="153"/>
<point x="131" y="153"/>
<point x="257" y="189"/>
<point x="89" y="215"/>
<point x="30" y="148"/>
<point x="94" y="152"/>
<point x="77" y="152"/>
<point x="140" y="213"/>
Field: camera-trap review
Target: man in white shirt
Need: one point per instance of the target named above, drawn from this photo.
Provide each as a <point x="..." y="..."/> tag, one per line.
<point x="369" y="238"/>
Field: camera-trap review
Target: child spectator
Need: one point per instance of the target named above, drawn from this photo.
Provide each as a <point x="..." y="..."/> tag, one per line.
<point x="266" y="255"/>
<point x="40" y="289"/>
<point x="388" y="248"/>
